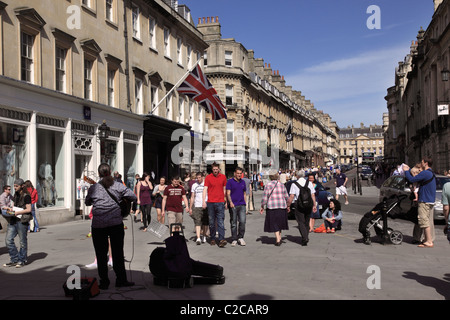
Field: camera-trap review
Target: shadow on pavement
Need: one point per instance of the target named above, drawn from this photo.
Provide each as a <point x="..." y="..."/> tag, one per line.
<point x="441" y="286"/>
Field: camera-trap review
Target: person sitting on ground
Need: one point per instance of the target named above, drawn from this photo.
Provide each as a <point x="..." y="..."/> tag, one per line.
<point x="332" y="216"/>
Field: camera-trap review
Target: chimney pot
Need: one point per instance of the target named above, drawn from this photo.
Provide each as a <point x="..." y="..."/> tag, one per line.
<point x="199" y="20"/>
<point x="207" y="20"/>
<point x="217" y="19"/>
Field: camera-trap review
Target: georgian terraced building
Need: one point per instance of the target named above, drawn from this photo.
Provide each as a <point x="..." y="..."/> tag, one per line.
<point x="269" y="125"/>
<point x="418" y="102"/>
<point x="68" y="66"/>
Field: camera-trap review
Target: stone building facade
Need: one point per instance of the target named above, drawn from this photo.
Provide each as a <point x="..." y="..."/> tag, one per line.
<point x="354" y="142"/>
<point x="67" y="67"/>
<point x="269" y="125"/>
<point x="418" y="102"/>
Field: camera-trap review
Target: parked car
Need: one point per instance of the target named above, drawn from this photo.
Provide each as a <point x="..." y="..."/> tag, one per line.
<point x="398" y="185"/>
<point x="366" y="174"/>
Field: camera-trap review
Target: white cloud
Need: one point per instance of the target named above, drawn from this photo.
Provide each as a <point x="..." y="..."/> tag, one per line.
<point x="335" y="85"/>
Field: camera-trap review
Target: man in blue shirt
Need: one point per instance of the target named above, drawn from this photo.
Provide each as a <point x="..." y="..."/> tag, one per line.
<point x="236" y="190"/>
<point x="427" y="197"/>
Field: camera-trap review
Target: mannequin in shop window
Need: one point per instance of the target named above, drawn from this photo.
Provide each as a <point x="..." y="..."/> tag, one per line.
<point x="47" y="185"/>
<point x="9" y="157"/>
<point x="130" y="173"/>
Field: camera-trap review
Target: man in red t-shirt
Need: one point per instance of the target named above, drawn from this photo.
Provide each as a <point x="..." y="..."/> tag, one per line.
<point x="215" y="184"/>
<point x="174" y="194"/>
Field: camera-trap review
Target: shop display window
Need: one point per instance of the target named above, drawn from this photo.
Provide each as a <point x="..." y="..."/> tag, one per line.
<point x="50" y="168"/>
<point x="13" y="157"/>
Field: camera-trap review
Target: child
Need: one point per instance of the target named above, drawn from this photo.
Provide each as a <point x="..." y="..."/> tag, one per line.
<point x="414" y="172"/>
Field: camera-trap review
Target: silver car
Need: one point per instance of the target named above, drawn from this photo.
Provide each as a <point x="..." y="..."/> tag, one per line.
<point x="398" y="185"/>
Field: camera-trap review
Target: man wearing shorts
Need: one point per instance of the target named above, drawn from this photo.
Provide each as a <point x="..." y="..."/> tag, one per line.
<point x="197" y="212"/>
<point x="340" y="182"/>
<point x="427" y="197"/>
<point x="174" y="195"/>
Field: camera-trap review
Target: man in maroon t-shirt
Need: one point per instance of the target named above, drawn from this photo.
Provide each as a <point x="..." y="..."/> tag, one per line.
<point x="215" y="184"/>
<point x="174" y="194"/>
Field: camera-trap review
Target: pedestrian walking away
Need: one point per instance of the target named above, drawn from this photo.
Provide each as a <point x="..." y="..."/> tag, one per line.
<point x="214" y="200"/>
<point x="302" y="207"/>
<point x="274" y="201"/>
<point x="255" y="179"/>
<point x="236" y="194"/>
<point x="107" y="223"/>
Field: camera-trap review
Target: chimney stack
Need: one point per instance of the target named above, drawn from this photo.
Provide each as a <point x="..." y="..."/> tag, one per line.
<point x="210" y="28"/>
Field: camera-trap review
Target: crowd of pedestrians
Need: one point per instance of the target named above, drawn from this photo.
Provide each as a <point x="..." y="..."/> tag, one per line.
<point x="207" y="198"/>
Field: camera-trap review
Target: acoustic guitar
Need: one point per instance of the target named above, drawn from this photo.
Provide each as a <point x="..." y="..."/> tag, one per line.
<point x="124" y="204"/>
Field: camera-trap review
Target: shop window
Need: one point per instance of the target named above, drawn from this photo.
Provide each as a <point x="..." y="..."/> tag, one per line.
<point x="50" y="168"/>
<point x="13" y="154"/>
<point x="130" y="151"/>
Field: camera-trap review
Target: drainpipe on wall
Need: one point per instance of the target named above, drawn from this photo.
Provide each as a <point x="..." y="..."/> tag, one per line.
<point x="127" y="60"/>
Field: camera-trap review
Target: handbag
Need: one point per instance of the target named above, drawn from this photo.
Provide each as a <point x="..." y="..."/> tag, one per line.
<point x="26" y="217"/>
<point x="124" y="205"/>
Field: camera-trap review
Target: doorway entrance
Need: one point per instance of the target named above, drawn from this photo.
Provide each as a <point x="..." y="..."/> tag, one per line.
<point x="82" y="163"/>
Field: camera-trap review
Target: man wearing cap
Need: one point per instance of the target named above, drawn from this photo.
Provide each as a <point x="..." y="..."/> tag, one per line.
<point x="21" y="200"/>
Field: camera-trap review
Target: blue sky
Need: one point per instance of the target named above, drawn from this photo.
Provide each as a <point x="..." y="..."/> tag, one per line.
<point x="324" y="48"/>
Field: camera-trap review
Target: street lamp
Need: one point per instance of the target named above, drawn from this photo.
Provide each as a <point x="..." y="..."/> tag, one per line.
<point x="358" y="184"/>
<point x="103" y="131"/>
<point x="445" y="73"/>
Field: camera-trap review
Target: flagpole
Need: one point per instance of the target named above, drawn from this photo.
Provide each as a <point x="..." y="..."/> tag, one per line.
<point x="176" y="85"/>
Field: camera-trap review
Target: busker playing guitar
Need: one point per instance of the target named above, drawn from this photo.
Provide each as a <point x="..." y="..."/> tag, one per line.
<point x="107" y="222"/>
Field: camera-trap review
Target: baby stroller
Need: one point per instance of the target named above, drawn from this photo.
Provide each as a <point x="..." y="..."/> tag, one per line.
<point x="377" y="219"/>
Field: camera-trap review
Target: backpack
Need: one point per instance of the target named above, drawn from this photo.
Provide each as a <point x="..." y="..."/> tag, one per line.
<point x="304" y="199"/>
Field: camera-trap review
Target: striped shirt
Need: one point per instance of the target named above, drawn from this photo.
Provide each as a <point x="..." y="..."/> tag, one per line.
<point x="278" y="198"/>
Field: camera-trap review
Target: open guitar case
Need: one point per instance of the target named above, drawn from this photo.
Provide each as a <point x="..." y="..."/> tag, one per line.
<point x="173" y="267"/>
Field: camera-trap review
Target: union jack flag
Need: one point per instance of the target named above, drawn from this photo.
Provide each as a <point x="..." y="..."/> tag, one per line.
<point x="197" y="87"/>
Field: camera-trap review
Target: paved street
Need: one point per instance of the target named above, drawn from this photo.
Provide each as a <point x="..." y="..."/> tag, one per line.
<point x="332" y="266"/>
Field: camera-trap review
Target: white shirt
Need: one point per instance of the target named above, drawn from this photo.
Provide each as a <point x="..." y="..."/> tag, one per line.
<point x="295" y="190"/>
<point x="198" y="190"/>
